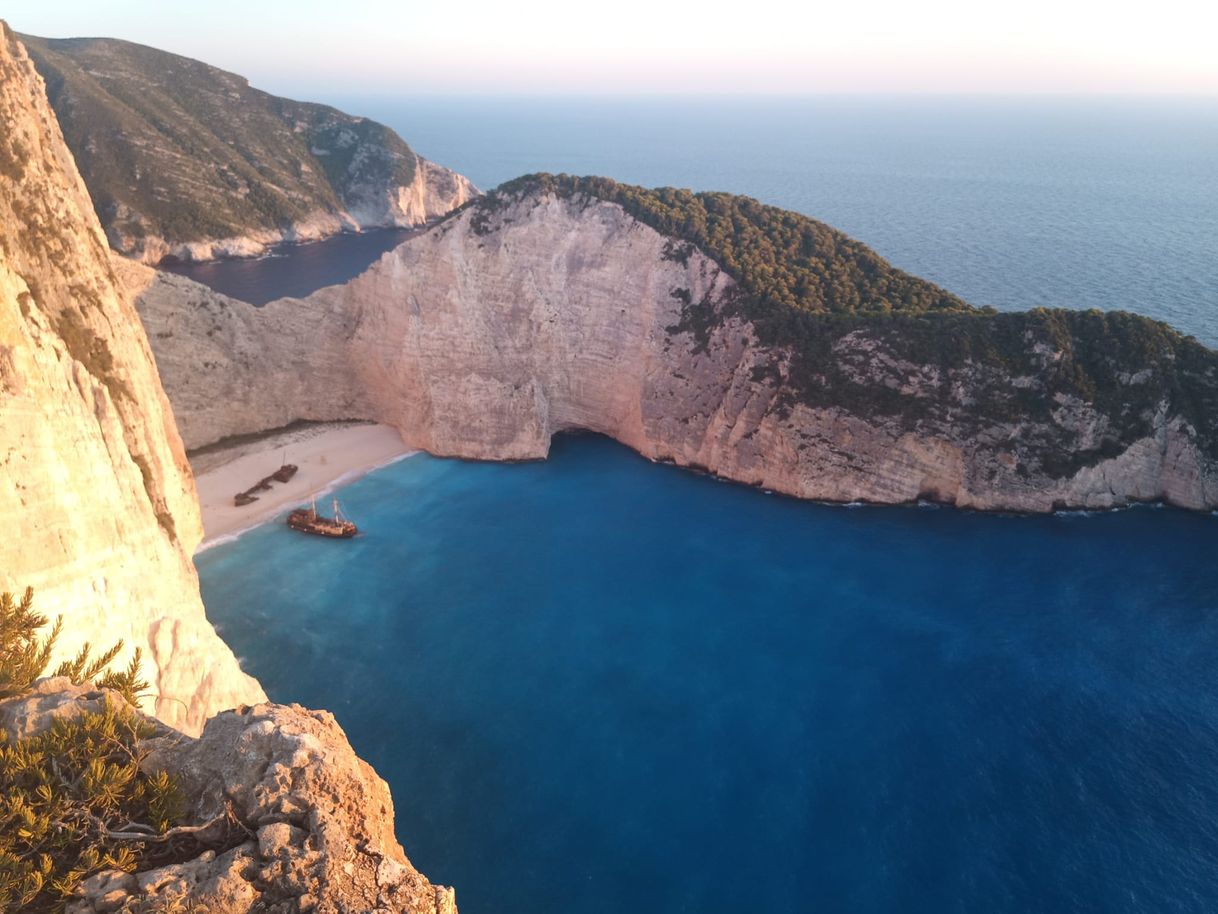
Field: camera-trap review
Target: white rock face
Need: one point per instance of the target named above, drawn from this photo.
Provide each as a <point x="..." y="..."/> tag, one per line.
<point x="485" y="339"/>
<point x="95" y="491"/>
<point x="216" y="348"/>
<point x="435" y="191"/>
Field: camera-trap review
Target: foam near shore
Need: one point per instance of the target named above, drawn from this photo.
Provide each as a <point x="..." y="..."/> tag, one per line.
<point x="327" y="455"/>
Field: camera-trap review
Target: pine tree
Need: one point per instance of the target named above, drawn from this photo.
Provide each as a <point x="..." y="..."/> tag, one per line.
<point x="23" y="654"/>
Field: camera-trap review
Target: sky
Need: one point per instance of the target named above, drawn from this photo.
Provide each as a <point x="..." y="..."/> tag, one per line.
<point x="625" y="47"/>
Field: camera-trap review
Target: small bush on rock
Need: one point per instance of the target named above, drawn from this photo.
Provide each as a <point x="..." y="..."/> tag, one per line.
<point x="24" y="654"/>
<point x="73" y="800"/>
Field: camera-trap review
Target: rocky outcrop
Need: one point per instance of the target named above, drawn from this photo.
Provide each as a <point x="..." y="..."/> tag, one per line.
<point x="95" y="492"/>
<point x="433" y="192"/>
<point x="311" y="824"/>
<point x="51" y="699"/>
<point x="187" y="161"/>
<point x="497" y="329"/>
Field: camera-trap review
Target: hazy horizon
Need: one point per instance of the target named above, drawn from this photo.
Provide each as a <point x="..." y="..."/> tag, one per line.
<point x="543" y="48"/>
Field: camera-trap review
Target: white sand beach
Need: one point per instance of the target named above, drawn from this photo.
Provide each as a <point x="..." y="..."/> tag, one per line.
<point x="327" y="454"/>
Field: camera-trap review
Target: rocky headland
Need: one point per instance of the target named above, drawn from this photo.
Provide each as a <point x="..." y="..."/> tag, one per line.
<point x="187" y="161"/>
<point x="557" y="304"/>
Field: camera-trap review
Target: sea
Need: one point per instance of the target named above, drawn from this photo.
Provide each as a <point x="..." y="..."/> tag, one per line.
<point x="596" y="684"/>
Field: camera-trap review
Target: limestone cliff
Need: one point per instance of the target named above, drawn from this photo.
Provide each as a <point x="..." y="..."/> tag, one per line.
<point x="96" y="496"/>
<point x="238" y="368"/>
<point x="187" y="161"/>
<point x="508" y="323"/>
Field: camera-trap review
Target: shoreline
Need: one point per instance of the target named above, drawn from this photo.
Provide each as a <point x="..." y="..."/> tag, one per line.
<point x="172" y="263"/>
<point x="332" y="454"/>
<point x="328" y="455"/>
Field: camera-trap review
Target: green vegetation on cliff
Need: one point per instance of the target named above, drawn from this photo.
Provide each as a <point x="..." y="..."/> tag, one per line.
<point x="860" y="335"/>
<point x="781" y="259"/>
<point x="1022" y="371"/>
<point x="73" y="800"/>
<point x="174" y="148"/>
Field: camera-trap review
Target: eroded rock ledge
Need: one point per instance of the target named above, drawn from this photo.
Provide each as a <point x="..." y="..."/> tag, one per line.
<point x="315" y="821"/>
<point x="491" y="332"/>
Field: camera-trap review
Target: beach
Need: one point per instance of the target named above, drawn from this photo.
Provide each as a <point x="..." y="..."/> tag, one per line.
<point x="327" y="454"/>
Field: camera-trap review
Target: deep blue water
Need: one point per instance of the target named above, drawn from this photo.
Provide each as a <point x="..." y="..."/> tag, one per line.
<point x="1015" y="203"/>
<point x="594" y="684"/>
<point x="598" y="685"/>
<point x="294" y="269"/>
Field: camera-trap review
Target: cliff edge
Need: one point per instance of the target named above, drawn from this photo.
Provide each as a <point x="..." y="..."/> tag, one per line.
<point x="95" y="490"/>
<point x="293" y="820"/>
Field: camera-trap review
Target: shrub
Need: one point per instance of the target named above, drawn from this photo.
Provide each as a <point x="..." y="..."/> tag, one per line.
<point x="73" y="800"/>
<point x="24" y="654"/>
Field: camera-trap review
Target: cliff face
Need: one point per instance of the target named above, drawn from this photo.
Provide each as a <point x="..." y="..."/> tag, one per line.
<point x="501" y="326"/>
<point x="95" y="492"/>
<point x="184" y="160"/>
<point x="234" y="368"/>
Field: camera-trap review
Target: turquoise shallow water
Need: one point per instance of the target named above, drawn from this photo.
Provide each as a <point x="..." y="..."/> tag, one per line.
<point x="595" y="685"/>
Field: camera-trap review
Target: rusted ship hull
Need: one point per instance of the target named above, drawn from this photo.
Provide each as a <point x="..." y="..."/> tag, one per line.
<point x="284" y="473"/>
